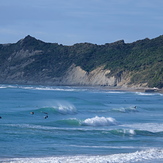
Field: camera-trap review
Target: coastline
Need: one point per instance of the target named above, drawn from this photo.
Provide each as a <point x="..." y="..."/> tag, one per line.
<point x="101" y="87"/>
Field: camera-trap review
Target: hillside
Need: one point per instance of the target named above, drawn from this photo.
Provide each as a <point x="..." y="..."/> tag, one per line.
<point x="32" y="61"/>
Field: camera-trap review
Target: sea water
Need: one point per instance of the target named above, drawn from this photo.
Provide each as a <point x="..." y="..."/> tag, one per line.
<point x="48" y="124"/>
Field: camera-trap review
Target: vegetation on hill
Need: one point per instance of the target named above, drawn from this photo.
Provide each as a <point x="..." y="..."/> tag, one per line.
<point x="143" y="58"/>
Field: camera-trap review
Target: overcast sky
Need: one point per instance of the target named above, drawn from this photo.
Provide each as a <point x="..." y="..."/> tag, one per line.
<point x="75" y="21"/>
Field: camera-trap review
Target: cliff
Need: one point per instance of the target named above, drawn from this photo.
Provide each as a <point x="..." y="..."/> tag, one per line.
<point x="32" y="61"/>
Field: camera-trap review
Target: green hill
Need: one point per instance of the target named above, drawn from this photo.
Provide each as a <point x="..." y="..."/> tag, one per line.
<point x="32" y="59"/>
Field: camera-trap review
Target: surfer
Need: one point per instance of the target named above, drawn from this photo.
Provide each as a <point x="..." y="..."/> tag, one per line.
<point x="46" y="117"/>
<point x="0" y="117"/>
<point x="32" y="113"/>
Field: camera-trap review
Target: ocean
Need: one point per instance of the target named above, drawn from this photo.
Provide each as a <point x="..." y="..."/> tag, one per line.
<point x="59" y="124"/>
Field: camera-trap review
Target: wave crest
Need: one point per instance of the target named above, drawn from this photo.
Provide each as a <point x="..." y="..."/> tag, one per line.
<point x="99" y="121"/>
<point x="59" y="108"/>
<point x="66" y="109"/>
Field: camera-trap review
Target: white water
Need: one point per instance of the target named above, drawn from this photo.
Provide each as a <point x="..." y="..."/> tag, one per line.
<point x="100" y="121"/>
<point x="151" y="127"/>
<point x="146" y="156"/>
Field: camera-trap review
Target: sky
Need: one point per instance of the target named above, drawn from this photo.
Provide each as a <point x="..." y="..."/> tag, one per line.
<point x="77" y="21"/>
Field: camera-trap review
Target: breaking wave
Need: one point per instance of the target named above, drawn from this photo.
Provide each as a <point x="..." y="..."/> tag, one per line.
<point x="66" y="109"/>
<point x="151" y="127"/>
<point x="145" y="94"/>
<point x="145" y="156"/>
<point x="59" y="108"/>
<point x="99" y="121"/>
<point x="133" y="132"/>
<point x="95" y="122"/>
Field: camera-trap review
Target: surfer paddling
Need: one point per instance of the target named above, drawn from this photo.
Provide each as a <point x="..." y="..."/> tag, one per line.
<point x="46" y="117"/>
<point x="32" y="113"/>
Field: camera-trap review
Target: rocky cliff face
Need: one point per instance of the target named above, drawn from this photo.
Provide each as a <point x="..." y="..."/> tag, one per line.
<point x="76" y="76"/>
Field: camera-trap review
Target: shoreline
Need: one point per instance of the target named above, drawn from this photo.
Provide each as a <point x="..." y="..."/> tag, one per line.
<point x="127" y="89"/>
<point x="111" y="88"/>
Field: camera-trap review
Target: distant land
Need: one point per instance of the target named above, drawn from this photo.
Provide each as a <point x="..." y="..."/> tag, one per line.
<point x="118" y="64"/>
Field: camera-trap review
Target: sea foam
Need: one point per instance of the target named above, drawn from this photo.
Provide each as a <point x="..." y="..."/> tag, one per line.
<point x="146" y="156"/>
<point x="151" y="127"/>
<point x="99" y="121"/>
